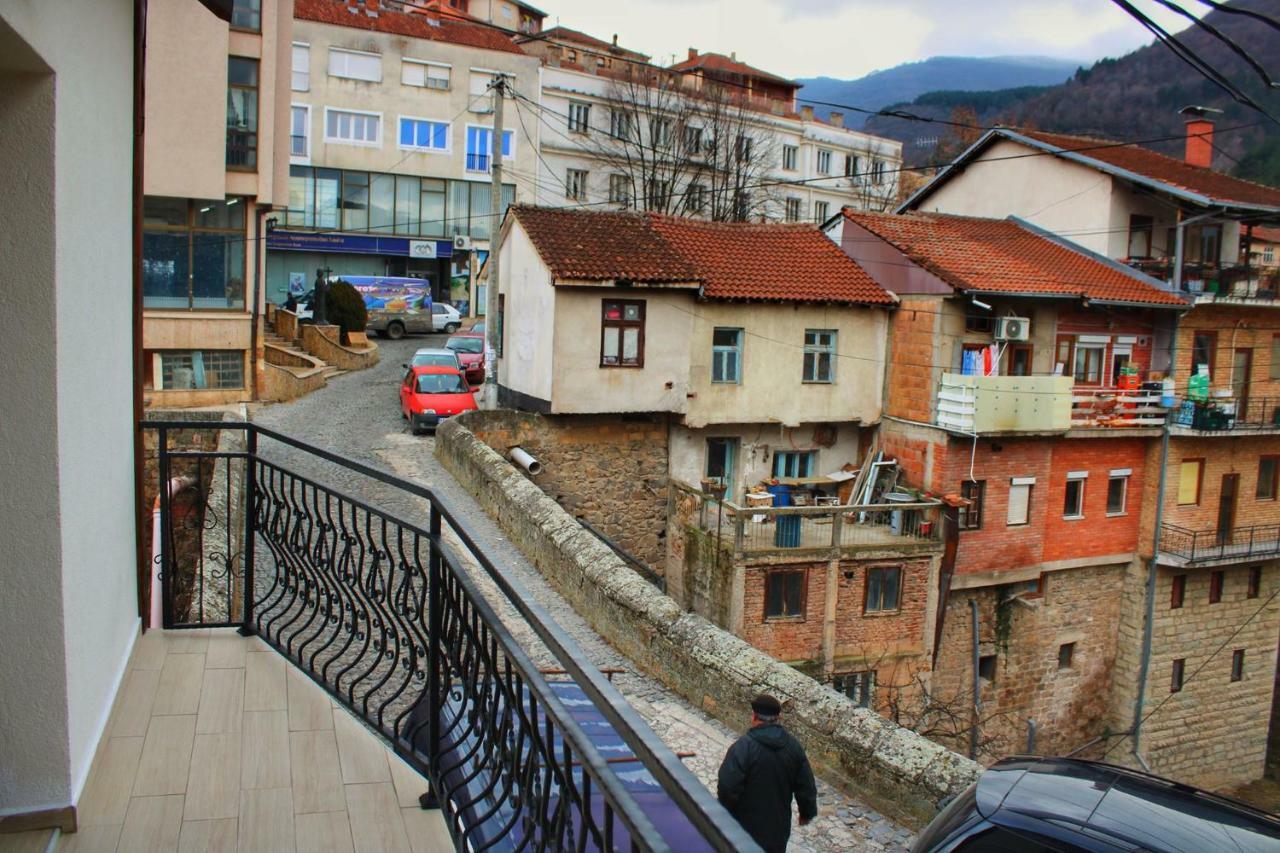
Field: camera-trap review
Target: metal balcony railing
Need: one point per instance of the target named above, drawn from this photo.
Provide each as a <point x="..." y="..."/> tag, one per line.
<point x="1116" y="407"/>
<point x="379" y="611"/>
<point x="1237" y="543"/>
<point x="1227" y="414"/>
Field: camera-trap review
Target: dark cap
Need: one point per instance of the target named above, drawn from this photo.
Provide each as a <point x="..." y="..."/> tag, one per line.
<point x="765" y="705"/>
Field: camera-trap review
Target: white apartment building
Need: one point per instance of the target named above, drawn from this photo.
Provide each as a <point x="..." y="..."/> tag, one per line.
<point x="805" y="168"/>
<point x="391" y="147"/>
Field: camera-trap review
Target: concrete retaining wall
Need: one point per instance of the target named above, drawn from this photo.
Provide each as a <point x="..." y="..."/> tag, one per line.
<point x="322" y="342"/>
<point x="894" y="770"/>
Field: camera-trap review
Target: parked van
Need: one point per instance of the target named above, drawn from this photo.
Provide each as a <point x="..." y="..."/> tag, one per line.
<point x="396" y="305"/>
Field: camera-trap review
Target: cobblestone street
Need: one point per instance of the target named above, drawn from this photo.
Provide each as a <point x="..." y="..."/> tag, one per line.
<point x="356" y="415"/>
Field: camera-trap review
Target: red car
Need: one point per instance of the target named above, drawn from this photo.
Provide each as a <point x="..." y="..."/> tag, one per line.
<point x="429" y="394"/>
<point x="469" y="347"/>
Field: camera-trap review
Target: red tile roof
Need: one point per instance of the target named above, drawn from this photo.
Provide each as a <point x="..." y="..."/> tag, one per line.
<point x="1001" y="256"/>
<point x="1159" y="167"/>
<point x="578" y="37"/>
<point x="449" y="30"/>
<point x="726" y="65"/>
<point x="1265" y="234"/>
<point x="794" y="263"/>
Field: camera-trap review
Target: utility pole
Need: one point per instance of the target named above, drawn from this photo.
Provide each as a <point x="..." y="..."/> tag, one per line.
<point x="491" y="330"/>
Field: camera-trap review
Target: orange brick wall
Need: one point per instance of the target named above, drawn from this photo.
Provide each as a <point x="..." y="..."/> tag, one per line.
<point x="1223" y="454"/>
<point x="859" y="635"/>
<point x="997" y="545"/>
<point x="795" y="639"/>
<point x="912" y="376"/>
<point x="1237" y="327"/>
<point x="1097" y="533"/>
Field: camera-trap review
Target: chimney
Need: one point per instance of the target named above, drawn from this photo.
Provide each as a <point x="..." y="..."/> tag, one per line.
<point x="615" y="39"/>
<point x="836" y="118"/>
<point x="733" y="56"/>
<point x="806" y="113"/>
<point x="693" y="53"/>
<point x="1200" y="122"/>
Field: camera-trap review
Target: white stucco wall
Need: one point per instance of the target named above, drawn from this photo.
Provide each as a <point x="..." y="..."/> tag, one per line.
<point x="67" y="472"/>
<point x="529" y="303"/>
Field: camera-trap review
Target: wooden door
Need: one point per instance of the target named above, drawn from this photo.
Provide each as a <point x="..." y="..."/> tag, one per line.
<point x="1227" y="507"/>
<point x="1241" y="368"/>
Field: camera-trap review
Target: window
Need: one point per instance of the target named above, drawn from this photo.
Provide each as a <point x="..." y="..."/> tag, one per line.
<point x="1190" y="476"/>
<point x="819" y="355"/>
<point x="1177" y="591"/>
<point x="1268" y="469"/>
<point x="850" y="166"/>
<point x="1117" y="491"/>
<point x="480" y="147"/>
<point x="657" y="194"/>
<point x="246" y="15"/>
<point x="579" y="117"/>
<point x="824" y="161"/>
<point x="619" y="123"/>
<point x="1139" y="236"/>
<point x="741" y="205"/>
<point x="428" y="75"/>
<point x="1033" y="588"/>
<point x="622" y="333"/>
<point x="1020" y="499"/>
<point x="1175" y="676"/>
<point x="1203" y="346"/>
<point x="884" y="587"/>
<point x="971" y="515"/>
<point x="1255" y="582"/>
<point x="792" y="464"/>
<point x="301" y="79"/>
<point x="1066" y="654"/>
<point x="660" y="132"/>
<point x="352" y="128"/>
<point x="1088" y="364"/>
<point x="1215" y="586"/>
<point x="726" y="355"/>
<point x="575" y="184"/>
<point x="1237" y="665"/>
<point x="620" y="189"/>
<point x="199" y="370"/>
<point x="878" y="171"/>
<point x="858" y="686"/>
<point x="1073" y="501"/>
<point x="790" y="156"/>
<point x="979" y="324"/>
<point x="784" y="593"/>
<point x="987" y="668"/>
<point x="820" y="211"/>
<point x="355" y="65"/>
<point x="1020" y="359"/>
<point x="299" y="123"/>
<point x="692" y="139"/>
<point x="193" y="254"/>
<point x="420" y="134"/>
<point x="695" y="198"/>
<point x="794" y="209"/>
<point x="742" y="147"/>
<point x="242" y="113"/>
<point x="721" y="453"/>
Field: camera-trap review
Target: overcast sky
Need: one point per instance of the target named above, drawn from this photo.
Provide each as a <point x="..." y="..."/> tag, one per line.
<point x="849" y="38"/>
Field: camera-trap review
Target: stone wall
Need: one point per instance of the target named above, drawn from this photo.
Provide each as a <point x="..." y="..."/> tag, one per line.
<point x="893" y="769"/>
<point x="323" y="343"/>
<point x="608" y="469"/>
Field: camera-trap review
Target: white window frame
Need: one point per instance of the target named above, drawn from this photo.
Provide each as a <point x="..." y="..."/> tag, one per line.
<point x="790" y="157"/>
<point x="1028" y="483"/>
<point x="620" y="122"/>
<point x="359" y="143"/>
<point x="306" y="46"/>
<point x="335" y="52"/>
<point x="824" y="161"/>
<point x="1122" y="474"/>
<point x="619" y="180"/>
<point x="426" y="64"/>
<point x="448" y="139"/>
<point x="821" y="211"/>
<point x="1081" y="477"/>
<point x="305" y="158"/>
<point x="575" y="184"/>
<point x="817" y="349"/>
<point x="793" y="209"/>
<point x="579" y="117"/>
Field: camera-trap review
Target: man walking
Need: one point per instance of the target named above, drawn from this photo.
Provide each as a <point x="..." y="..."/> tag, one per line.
<point x="761" y="772"/>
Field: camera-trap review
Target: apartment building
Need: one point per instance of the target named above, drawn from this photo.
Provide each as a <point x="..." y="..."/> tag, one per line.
<point x="216" y="165"/>
<point x="1208" y="653"/>
<point x="708" y="137"/>
<point x="391" y="148"/>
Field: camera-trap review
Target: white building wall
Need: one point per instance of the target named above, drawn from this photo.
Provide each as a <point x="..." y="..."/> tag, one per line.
<point x="66" y="476"/>
<point x="529" y="304"/>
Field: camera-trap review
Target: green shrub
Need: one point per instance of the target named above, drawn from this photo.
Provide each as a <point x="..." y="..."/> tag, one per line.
<point x="344" y="307"/>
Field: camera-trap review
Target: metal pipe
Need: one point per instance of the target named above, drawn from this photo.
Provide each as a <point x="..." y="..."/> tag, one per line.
<point x="1032" y="728"/>
<point x="522" y="458"/>
<point x="977" y="686"/>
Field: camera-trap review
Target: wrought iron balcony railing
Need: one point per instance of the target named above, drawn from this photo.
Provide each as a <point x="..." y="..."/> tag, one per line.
<point x="378" y="610"/>
<point x="1203" y="546"/>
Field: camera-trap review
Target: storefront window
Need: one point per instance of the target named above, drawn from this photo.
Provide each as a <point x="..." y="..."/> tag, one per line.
<point x="327" y="197"/>
<point x="355" y="201"/>
<point x="432" y="224"/>
<point x="407" y="192"/>
<point x="194" y="254"/>
<point x="382" y="200"/>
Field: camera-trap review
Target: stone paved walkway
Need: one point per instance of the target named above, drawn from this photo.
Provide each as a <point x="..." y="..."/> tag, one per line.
<point x="356" y="415"/>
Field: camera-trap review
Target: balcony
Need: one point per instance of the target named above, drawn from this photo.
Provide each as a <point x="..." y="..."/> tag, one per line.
<point x="997" y="404"/>
<point x="1207" y="282"/>
<point x="382" y="632"/>
<point x="1182" y="547"/>
<point x="1227" y="415"/>
<point x="1117" y="408"/>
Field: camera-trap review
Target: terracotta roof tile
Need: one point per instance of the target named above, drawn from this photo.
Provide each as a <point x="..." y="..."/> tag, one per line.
<point x="1001" y="256"/>
<point x="449" y="30"/>
<point x="1160" y="167"/>
<point x="796" y="263"/>
<point x="722" y="63"/>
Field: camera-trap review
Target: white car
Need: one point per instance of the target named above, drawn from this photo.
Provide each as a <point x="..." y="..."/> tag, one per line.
<point x="445" y="318"/>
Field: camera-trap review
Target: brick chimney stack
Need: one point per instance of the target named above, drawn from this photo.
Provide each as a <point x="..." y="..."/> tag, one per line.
<point x="836" y="118"/>
<point x="1200" y="122"/>
<point x="806" y="113"/>
<point x="693" y="53"/>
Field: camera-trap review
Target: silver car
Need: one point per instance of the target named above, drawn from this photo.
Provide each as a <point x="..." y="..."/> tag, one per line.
<point x="434" y="356"/>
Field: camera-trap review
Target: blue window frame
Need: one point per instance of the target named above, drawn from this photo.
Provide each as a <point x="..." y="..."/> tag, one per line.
<point x="726" y="355"/>
<point x="794" y="463"/>
<point x="480" y="147"/>
<point x="424" y="134"/>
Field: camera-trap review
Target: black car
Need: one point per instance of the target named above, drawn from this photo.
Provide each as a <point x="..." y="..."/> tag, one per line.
<point x="1059" y="804"/>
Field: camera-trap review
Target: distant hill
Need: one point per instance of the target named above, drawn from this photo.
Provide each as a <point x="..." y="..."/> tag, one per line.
<point x="1134" y="97"/>
<point x="903" y="83"/>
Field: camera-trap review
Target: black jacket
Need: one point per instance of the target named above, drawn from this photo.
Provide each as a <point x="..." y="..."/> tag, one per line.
<point x="762" y="771"/>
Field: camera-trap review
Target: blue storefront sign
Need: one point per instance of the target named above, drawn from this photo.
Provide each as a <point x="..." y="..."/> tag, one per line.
<point x="357" y="244"/>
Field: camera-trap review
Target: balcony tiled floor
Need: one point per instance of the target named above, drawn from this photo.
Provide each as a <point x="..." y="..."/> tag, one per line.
<point x="216" y="743"/>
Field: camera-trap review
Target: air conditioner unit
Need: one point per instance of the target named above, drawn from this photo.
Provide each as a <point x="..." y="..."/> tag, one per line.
<point x="462" y="243"/>
<point x="1013" y="329"/>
